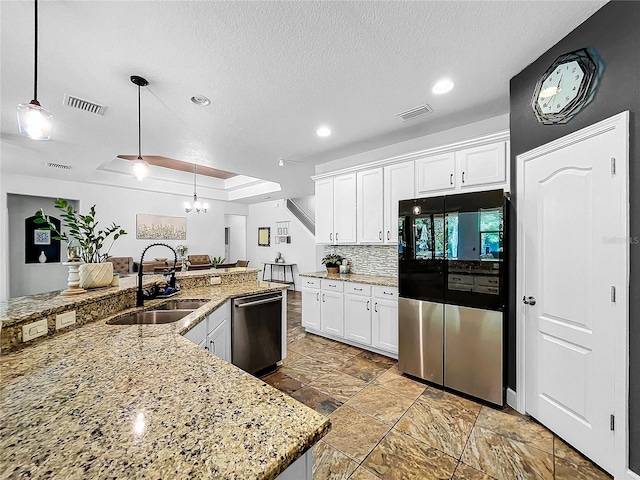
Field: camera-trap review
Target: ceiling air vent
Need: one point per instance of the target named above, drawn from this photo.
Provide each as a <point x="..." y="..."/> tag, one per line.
<point x="414" y="112"/>
<point x="57" y="165"/>
<point x="86" y="105"/>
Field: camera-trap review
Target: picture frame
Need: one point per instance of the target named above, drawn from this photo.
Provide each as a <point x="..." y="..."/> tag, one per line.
<point x="42" y="237"/>
<point x="160" y="227"/>
<point x="264" y="236"/>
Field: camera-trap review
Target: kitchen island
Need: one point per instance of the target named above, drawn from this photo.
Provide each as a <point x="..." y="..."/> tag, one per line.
<point x="109" y="401"/>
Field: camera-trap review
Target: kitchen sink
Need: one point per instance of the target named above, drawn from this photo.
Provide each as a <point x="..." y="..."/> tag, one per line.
<point x="182" y="304"/>
<point x="152" y="317"/>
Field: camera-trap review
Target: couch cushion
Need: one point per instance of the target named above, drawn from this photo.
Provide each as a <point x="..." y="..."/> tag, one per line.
<point x="122" y="265"/>
<point x="199" y="259"/>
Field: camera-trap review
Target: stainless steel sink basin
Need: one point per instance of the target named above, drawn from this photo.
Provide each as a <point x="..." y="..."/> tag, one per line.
<point x="182" y="304"/>
<point x="152" y="317"/>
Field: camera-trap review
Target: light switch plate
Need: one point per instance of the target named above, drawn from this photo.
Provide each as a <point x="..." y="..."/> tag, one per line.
<point x="65" y="319"/>
<point x="34" y="330"/>
<point x="215" y="280"/>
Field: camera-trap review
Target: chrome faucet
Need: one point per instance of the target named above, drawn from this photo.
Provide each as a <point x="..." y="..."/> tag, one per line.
<point x="172" y="271"/>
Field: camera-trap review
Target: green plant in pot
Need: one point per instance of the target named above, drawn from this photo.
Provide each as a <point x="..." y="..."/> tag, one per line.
<point x="85" y="242"/>
<point x="332" y="261"/>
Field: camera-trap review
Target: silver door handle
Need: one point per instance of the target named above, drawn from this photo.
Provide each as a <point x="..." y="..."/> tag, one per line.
<point x="462" y="177"/>
<point x="318" y="297"/>
<point x="214" y="346"/>
<point x="331" y="237"/>
<point x="323" y="297"/>
<point x="336" y="236"/>
<point x="375" y="307"/>
<point x="368" y="304"/>
<point x="357" y="289"/>
<point x="258" y="302"/>
<point x="451" y="179"/>
<point x="380" y="235"/>
<point x="529" y="301"/>
<point x="388" y="235"/>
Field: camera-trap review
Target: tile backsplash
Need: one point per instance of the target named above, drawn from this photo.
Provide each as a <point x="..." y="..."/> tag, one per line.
<point x="369" y="259"/>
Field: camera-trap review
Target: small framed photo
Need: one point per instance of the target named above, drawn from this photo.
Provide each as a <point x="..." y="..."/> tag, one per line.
<point x="264" y="236"/>
<point x="277" y="239"/>
<point x="42" y="237"/>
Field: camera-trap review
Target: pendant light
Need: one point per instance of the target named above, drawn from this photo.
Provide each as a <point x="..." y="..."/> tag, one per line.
<point x="195" y="203"/>
<point x="139" y="167"/>
<point x="34" y="121"/>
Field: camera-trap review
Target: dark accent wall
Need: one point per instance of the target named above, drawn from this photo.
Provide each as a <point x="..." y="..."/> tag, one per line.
<point x="614" y="31"/>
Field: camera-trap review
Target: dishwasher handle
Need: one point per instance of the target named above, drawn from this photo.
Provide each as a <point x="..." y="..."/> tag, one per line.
<point x="258" y="302"/>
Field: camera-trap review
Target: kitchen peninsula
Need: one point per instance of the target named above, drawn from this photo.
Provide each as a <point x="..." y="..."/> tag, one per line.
<point x="103" y="400"/>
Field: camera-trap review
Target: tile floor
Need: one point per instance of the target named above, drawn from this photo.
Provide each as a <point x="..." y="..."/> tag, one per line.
<point x="388" y="426"/>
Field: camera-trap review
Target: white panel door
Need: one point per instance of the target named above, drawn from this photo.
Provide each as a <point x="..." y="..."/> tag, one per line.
<point x="370" y="206"/>
<point x="571" y="205"/>
<point x="385" y="324"/>
<point x="218" y="341"/>
<point x="398" y="185"/>
<point x="344" y="208"/>
<point x="357" y="315"/>
<point x="436" y="173"/>
<point x="311" y="308"/>
<point x="324" y="211"/>
<point x="484" y="165"/>
<point x="332" y="313"/>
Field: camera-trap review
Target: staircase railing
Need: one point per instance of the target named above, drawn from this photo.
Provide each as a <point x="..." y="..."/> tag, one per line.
<point x="297" y="212"/>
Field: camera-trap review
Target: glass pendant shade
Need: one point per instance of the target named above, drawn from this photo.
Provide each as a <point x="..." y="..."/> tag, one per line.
<point x="140" y="169"/>
<point x="34" y="121"/>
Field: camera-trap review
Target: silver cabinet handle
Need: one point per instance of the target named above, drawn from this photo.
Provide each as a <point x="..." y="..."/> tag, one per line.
<point x="451" y="179"/>
<point x="318" y="297"/>
<point x="336" y="236"/>
<point x="323" y="297"/>
<point x="357" y="289"/>
<point x="258" y="302"/>
<point x="331" y="237"/>
<point x="368" y="304"/>
<point x="332" y="286"/>
<point x="462" y="177"/>
<point x="380" y="235"/>
<point x="375" y="307"/>
<point x="388" y="293"/>
<point x="214" y="346"/>
<point x="529" y="301"/>
<point x="388" y="235"/>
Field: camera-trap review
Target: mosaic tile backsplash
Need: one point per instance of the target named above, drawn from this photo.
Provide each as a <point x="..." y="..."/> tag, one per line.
<point x="369" y="259"/>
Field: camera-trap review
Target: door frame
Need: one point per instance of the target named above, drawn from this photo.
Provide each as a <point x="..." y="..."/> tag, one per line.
<point x="620" y="124"/>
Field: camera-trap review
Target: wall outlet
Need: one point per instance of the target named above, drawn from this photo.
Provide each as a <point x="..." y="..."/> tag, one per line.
<point x="34" y="330"/>
<point x="215" y="280"/>
<point x="65" y="319"/>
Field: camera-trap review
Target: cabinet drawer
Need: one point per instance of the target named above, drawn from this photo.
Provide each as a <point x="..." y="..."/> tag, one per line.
<point x="310" y="282"/>
<point x="358" y="289"/>
<point x="488" y="281"/>
<point x="461" y="279"/>
<point x="390" y="293"/>
<point x="332" y="285"/>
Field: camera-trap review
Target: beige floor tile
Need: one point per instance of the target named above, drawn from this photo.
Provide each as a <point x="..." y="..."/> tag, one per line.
<point x="312" y="398"/>
<point x="346" y="348"/>
<point x="330" y="464"/>
<point x="362" y="473"/>
<point x="394" y="381"/>
<point x="333" y="357"/>
<point x="354" y="433"/>
<point x="566" y="452"/>
<point x="465" y="472"/>
<point x="305" y="345"/>
<point x="506" y="459"/>
<point x="306" y="369"/>
<point x="291" y="357"/>
<point x="381" y="360"/>
<point x="518" y="427"/>
<point x="441" y="420"/>
<point x="566" y="470"/>
<point x="339" y="385"/>
<point x="282" y="382"/>
<point x="381" y="404"/>
<point x="363" y="368"/>
<point x="400" y="457"/>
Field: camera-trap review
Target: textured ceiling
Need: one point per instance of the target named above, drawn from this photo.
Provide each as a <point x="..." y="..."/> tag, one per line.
<point x="274" y="72"/>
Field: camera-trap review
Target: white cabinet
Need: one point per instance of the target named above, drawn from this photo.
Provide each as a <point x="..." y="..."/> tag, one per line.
<point x="385" y="319"/>
<point x="213" y="332"/>
<point x="469" y="169"/>
<point x="435" y="173"/>
<point x="198" y="334"/>
<point x="398" y="185"/>
<point x="336" y="225"/>
<point x="311" y="303"/>
<point x="218" y="341"/>
<point x="332" y="308"/>
<point x="357" y="313"/>
<point x="370" y="206"/>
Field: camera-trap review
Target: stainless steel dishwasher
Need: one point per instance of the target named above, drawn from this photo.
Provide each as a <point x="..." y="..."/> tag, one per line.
<point x="256" y="331"/>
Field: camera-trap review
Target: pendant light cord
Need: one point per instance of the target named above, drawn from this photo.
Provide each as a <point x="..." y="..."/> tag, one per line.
<point x="195" y="175"/>
<point x="139" y="127"/>
<point x="35" y="68"/>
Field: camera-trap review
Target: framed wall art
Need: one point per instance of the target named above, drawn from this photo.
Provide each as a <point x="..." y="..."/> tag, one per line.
<point x="39" y="245"/>
<point x="160" y="227"/>
<point x="264" y="236"/>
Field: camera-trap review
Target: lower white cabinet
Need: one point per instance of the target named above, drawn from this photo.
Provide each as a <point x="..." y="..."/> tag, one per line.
<point x="385" y="325"/>
<point x="357" y="313"/>
<point x="218" y="341"/>
<point x="213" y="332"/>
<point x="332" y="313"/>
<point x="311" y="303"/>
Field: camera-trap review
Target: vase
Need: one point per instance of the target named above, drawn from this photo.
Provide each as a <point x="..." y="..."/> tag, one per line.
<point x="332" y="269"/>
<point x="94" y="275"/>
<point x="42" y="258"/>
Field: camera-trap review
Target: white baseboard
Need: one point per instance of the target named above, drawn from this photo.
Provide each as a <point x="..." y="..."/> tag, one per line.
<point x="512" y="399"/>
<point x="632" y="476"/>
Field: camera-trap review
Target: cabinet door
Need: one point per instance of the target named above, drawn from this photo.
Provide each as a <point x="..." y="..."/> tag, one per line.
<point x="344" y="208"/>
<point x="436" y="173"/>
<point x="398" y="185"/>
<point x="311" y="308"/>
<point x="357" y="314"/>
<point x="370" y="206"/>
<point x="484" y="165"/>
<point x="385" y="324"/>
<point x="332" y="313"/>
<point x="324" y="211"/>
<point x="198" y="334"/>
<point x="218" y="341"/>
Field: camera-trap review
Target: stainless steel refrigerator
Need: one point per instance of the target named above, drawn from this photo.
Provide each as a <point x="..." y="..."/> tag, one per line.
<point x="451" y="278"/>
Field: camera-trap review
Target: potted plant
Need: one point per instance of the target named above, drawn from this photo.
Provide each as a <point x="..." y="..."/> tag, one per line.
<point x="332" y="261"/>
<point x="83" y="231"/>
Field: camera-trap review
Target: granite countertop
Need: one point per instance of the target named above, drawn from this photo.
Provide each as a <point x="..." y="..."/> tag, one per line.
<point x="354" y="277"/>
<point x="103" y="401"/>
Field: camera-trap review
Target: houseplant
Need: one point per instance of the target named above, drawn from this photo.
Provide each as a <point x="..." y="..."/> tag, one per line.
<point x="83" y="230"/>
<point x="332" y="261"/>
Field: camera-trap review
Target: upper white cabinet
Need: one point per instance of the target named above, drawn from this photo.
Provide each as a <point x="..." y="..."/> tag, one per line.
<point x="474" y="168"/>
<point x="398" y="185"/>
<point x="336" y="225"/>
<point x="370" y="206"/>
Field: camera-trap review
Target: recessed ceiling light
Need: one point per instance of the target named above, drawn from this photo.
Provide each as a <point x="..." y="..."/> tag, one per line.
<point x="200" y="100"/>
<point x="443" y="86"/>
<point x="323" y="131"/>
